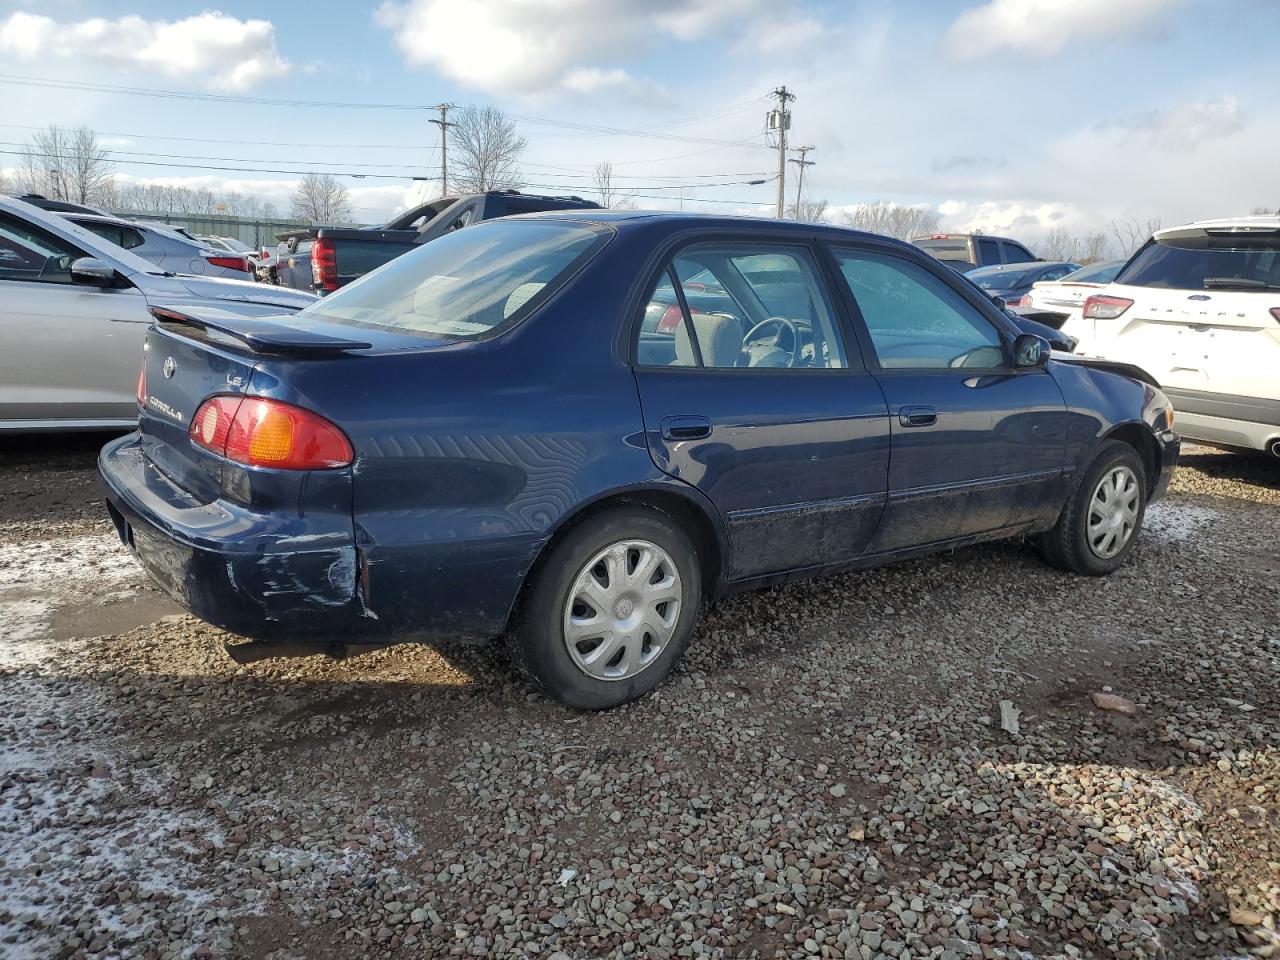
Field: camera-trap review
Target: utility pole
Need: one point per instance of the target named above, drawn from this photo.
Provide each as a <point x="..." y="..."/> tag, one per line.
<point x="780" y="120"/>
<point x="801" y="163"/>
<point x="444" y="125"/>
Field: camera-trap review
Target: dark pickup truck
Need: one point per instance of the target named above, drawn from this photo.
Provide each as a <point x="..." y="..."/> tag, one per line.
<point x="321" y="259"/>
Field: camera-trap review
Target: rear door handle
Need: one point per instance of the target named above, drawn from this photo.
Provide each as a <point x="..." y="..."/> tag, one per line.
<point x="685" y="428"/>
<point x="917" y="416"/>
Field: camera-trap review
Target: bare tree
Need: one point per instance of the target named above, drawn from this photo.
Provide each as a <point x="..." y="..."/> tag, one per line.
<point x="1060" y="245"/>
<point x="610" y="196"/>
<point x="1094" y="247"/>
<point x="487" y="148"/>
<point x="321" y="199"/>
<point x="810" y="211"/>
<point x="67" y="165"/>
<point x="1132" y="233"/>
<point x="4" y="182"/>
<point x="893" y="219"/>
<point x="1265" y="211"/>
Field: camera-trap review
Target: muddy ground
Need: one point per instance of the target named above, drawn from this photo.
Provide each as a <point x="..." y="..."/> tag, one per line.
<point x="826" y="775"/>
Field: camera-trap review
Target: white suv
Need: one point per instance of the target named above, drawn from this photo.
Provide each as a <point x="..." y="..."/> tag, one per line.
<point x="1198" y="307"/>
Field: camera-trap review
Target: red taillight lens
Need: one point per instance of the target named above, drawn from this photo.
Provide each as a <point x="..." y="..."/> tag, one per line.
<point x="1101" y="307"/>
<point x="230" y="263"/>
<point x="142" y="382"/>
<point x="670" y="321"/>
<point x="324" y="265"/>
<point x="1022" y="301"/>
<point x="1275" y="312"/>
<point x="268" y="433"/>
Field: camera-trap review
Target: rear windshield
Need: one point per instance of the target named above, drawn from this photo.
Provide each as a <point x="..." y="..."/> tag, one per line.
<point x="468" y="283"/>
<point x="1200" y="261"/>
<point x="946" y="249"/>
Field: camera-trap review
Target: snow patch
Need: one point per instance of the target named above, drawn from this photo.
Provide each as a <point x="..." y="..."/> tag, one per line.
<point x="1173" y="522"/>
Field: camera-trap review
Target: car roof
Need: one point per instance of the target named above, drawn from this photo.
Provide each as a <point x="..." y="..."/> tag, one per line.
<point x="1266" y="221"/>
<point x="59" y="224"/>
<point x="675" y="220"/>
<point x="963" y="236"/>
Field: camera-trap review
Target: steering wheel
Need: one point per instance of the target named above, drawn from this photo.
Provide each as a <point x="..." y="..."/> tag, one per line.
<point x="783" y="324"/>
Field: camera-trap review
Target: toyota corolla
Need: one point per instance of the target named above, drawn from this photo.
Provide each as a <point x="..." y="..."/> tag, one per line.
<point x="484" y="439"/>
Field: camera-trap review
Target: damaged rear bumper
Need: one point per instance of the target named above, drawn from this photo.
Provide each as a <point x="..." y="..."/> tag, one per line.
<point x="258" y="575"/>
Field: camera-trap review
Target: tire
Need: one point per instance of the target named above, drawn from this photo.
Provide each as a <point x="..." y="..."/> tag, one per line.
<point x="649" y="622"/>
<point x="1073" y="544"/>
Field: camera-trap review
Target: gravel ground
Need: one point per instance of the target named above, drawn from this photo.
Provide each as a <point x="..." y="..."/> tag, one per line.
<point x="826" y="775"/>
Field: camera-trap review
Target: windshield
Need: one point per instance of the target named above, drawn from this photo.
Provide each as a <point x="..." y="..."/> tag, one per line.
<point x="1198" y="260"/>
<point x="468" y="283"/>
<point x="1103" y="272"/>
<point x="1003" y="279"/>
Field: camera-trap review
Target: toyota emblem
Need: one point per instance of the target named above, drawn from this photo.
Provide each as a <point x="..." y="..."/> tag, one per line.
<point x="170" y="368"/>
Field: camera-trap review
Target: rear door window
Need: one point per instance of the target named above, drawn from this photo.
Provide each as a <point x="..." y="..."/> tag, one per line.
<point x="988" y="251"/>
<point x="1016" y="253"/>
<point x="749" y="306"/>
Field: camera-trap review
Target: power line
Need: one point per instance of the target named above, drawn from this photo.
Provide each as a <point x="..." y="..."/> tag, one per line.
<point x="579" y="171"/>
<point x="585" y="187"/>
<point x="24" y="80"/>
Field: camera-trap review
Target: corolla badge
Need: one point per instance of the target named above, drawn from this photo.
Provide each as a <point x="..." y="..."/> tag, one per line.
<point x="170" y="368"/>
<point x="161" y="407"/>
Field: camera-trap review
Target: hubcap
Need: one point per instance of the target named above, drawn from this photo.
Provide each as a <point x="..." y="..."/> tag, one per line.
<point x="622" y="610"/>
<point x="1113" y="512"/>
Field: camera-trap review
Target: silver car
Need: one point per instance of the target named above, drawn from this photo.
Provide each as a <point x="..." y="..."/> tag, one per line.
<point x="166" y="246"/>
<point x="74" y="310"/>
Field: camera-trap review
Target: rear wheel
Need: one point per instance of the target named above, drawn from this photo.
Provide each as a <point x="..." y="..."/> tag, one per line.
<point x="611" y="609"/>
<point x="1101" y="522"/>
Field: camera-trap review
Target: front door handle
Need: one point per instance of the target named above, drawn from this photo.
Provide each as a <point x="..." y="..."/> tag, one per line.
<point x="917" y="416"/>
<point x="685" y="428"/>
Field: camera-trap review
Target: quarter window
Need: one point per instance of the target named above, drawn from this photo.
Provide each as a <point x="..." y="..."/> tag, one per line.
<point x="744" y="306"/>
<point x="916" y="321"/>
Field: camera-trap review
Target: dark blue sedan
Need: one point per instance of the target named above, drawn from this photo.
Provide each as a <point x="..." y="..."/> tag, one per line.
<point x="485" y="437"/>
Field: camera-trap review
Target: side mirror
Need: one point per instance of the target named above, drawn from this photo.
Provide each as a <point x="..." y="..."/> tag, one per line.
<point x="1030" y="350"/>
<point x="93" y="272"/>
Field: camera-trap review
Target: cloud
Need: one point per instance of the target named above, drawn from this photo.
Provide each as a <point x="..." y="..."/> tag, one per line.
<point x="1045" y="27"/>
<point x="218" y="50"/>
<point x="1182" y="127"/>
<point x="531" y="46"/>
<point x="967" y="162"/>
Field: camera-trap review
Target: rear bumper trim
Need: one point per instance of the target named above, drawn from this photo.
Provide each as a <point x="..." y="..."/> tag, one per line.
<point x="252" y="585"/>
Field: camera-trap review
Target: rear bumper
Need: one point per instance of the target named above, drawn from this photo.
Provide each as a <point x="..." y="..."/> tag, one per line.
<point x="254" y="575"/>
<point x="1250" y="423"/>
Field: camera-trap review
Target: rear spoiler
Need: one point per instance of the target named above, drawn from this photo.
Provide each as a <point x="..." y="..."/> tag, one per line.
<point x="1130" y="370"/>
<point x="261" y="335"/>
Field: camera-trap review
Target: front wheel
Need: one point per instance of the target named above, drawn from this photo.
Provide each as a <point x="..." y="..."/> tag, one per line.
<point x="1101" y="522"/>
<point x="610" y="611"/>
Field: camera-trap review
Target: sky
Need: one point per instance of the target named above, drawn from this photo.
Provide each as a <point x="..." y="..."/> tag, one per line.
<point x="1012" y="116"/>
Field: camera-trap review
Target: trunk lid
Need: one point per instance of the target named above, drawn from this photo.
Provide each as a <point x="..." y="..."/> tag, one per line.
<point x="192" y="355"/>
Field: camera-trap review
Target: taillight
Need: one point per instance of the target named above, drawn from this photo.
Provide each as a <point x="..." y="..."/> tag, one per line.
<point x="1099" y="307"/>
<point x="670" y="321"/>
<point x="1022" y="301"/>
<point x="267" y="433"/>
<point x="230" y="263"/>
<point x="1275" y="312"/>
<point x="142" y="382"/>
<point x="324" y="265"/>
